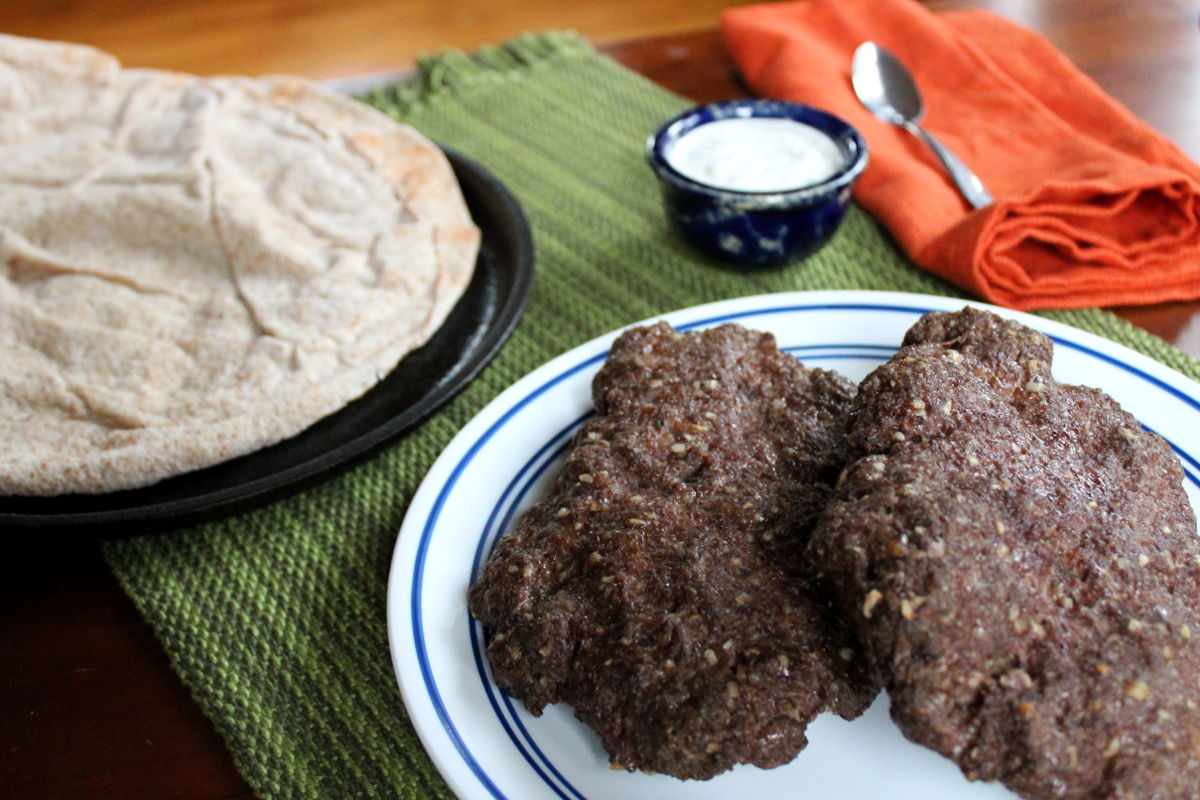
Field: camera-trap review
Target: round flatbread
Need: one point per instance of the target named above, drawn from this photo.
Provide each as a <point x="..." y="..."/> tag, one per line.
<point x="195" y="268"/>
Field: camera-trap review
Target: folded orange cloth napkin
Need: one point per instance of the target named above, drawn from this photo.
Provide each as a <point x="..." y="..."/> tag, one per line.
<point x="1093" y="207"/>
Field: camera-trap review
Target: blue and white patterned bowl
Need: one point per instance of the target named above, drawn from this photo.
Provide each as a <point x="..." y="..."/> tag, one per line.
<point x="757" y="229"/>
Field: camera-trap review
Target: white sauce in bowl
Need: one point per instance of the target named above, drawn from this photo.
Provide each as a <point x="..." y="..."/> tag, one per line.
<point x="756" y="154"/>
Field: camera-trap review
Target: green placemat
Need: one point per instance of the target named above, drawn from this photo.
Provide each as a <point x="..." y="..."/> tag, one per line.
<point x="275" y="619"/>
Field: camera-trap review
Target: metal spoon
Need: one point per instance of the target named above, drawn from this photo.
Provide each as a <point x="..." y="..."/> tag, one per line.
<point x="888" y="91"/>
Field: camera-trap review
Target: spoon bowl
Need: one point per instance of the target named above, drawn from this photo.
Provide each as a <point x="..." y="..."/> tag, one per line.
<point x="887" y="89"/>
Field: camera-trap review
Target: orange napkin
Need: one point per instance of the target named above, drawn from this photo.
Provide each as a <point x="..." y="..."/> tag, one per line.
<point x="1092" y="206"/>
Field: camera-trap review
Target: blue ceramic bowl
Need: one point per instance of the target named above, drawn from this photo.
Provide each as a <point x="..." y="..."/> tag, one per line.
<point x="757" y="229"/>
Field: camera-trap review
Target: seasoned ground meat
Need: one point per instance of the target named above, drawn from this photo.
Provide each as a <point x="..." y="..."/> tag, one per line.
<point x="1021" y="564"/>
<point x="658" y="588"/>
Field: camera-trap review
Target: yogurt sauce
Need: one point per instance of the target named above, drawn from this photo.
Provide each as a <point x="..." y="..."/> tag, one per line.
<point x="756" y="154"/>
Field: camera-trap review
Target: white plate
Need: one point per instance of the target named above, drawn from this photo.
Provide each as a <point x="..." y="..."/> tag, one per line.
<point x="488" y="746"/>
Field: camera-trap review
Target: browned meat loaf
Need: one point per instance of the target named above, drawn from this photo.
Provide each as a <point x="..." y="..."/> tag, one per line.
<point x="657" y="588"/>
<point x="1022" y="566"/>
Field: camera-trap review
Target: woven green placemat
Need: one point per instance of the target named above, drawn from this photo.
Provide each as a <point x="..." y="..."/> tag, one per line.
<point x="275" y="619"/>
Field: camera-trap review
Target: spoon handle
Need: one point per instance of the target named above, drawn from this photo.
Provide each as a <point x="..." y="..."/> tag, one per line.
<point x="967" y="182"/>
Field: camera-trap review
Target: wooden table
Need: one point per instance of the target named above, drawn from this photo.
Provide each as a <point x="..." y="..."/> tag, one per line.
<point x="89" y="706"/>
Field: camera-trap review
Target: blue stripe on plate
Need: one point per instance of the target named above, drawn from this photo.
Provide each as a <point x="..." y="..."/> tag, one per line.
<point x="530" y="751"/>
<point x="419" y="572"/>
<point x="499" y="520"/>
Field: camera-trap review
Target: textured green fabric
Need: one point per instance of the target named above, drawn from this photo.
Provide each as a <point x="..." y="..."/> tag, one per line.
<point x="275" y="619"/>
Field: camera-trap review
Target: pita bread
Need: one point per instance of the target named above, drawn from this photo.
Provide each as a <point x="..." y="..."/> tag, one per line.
<point x="195" y="268"/>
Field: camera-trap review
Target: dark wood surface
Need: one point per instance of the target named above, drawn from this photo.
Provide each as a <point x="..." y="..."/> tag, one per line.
<point x="89" y="706"/>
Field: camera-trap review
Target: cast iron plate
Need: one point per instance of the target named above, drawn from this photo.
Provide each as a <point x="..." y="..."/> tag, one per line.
<point x="420" y="384"/>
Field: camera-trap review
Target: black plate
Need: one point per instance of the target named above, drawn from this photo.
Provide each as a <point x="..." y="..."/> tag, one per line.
<point x="420" y="384"/>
